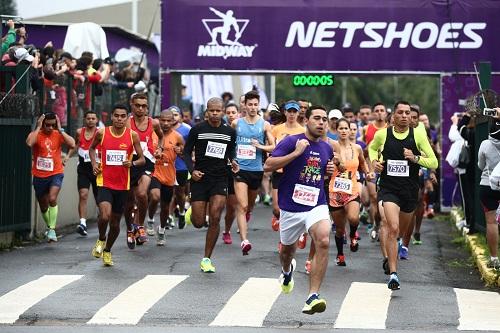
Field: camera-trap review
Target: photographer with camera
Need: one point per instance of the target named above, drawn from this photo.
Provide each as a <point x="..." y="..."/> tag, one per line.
<point x="488" y="158"/>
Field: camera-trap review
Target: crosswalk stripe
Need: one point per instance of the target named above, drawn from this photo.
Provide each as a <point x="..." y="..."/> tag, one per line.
<point x="365" y="306"/>
<point x="250" y="305"/>
<point x="479" y="310"/>
<point x="130" y="305"/>
<point x="16" y="302"/>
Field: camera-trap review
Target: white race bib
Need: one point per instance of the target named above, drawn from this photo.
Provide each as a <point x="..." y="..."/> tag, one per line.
<point x="115" y="157"/>
<point x="342" y="185"/>
<point x="246" y="152"/>
<point x="305" y="195"/>
<point x="84" y="154"/>
<point x="146" y="152"/>
<point x="216" y="149"/>
<point x="398" y="168"/>
<point x="45" y="164"/>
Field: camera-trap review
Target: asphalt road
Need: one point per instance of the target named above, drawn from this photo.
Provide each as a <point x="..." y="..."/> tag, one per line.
<point x="53" y="287"/>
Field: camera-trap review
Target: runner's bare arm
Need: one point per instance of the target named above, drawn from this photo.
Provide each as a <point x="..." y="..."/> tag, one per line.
<point x="271" y="142"/>
<point x="159" y="133"/>
<point x="137" y="146"/>
<point x="92" y="152"/>
<point x="278" y="162"/>
<point x="72" y="151"/>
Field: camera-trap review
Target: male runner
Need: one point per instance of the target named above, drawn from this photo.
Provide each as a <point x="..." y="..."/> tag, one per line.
<point x="181" y="171"/>
<point x="140" y="176"/>
<point x="333" y="116"/>
<point x="85" y="174"/>
<point x="379" y="115"/>
<point x="213" y="143"/>
<point x="305" y="158"/>
<point x="404" y="150"/>
<point x="47" y="168"/>
<point x="117" y="142"/>
<point x="301" y="118"/>
<point x="161" y="188"/>
<point x="251" y="134"/>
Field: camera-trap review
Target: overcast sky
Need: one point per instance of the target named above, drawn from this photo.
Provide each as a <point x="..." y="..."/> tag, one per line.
<point x="30" y="9"/>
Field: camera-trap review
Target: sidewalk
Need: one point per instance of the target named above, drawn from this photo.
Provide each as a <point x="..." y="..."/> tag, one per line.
<point x="489" y="275"/>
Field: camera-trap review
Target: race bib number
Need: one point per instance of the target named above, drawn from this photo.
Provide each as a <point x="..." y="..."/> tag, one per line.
<point x="398" y="168"/>
<point x="305" y="195"/>
<point x="246" y="152"/>
<point x="84" y="154"/>
<point x="115" y="157"/>
<point x="45" y="164"/>
<point x="342" y="185"/>
<point x="216" y="149"/>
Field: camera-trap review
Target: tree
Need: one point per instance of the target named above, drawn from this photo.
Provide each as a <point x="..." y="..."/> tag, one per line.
<point x="8" y="7"/>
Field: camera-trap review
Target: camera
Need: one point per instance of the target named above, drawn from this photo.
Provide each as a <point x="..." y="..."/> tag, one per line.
<point x="489" y="112"/>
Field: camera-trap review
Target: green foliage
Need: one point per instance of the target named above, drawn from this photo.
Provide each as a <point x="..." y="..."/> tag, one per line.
<point x="368" y="89"/>
<point x="8" y="7"/>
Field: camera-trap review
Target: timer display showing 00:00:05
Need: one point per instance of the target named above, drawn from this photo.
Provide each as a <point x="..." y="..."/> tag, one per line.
<point x="313" y="80"/>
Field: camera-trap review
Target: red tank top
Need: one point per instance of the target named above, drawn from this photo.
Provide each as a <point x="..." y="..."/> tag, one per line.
<point x="146" y="138"/>
<point x="84" y="145"/>
<point x="370" y="133"/>
<point x="115" y="150"/>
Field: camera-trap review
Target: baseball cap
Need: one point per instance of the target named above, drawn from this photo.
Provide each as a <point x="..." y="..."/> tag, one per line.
<point x="22" y="54"/>
<point x="335" y="113"/>
<point x="175" y="109"/>
<point x="66" y="55"/>
<point x="292" y="105"/>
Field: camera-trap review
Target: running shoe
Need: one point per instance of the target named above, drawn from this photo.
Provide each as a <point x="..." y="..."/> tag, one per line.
<point x="181" y="222"/>
<point x="363" y="216"/>
<point x="107" y="259"/>
<point x="302" y="241"/>
<point x="151" y="228"/>
<point x="494" y="263"/>
<point x="168" y="224"/>
<point x="374" y="234"/>
<point x="275" y="223"/>
<point x="400" y="246"/>
<point x="187" y="215"/>
<point x="160" y="240"/>
<point x="416" y="239"/>
<point x="267" y="200"/>
<point x="308" y="266"/>
<point x="340" y="261"/>
<point x="82" y="229"/>
<point x="206" y="266"/>
<point x="98" y="248"/>
<point x="51" y="236"/>
<point x="385" y="266"/>
<point x="131" y="239"/>
<point x="142" y="238"/>
<point x="354" y="245"/>
<point x="226" y="238"/>
<point x="403" y="254"/>
<point x="171" y="223"/>
<point x="246" y="246"/>
<point x="286" y="280"/>
<point x="314" y="304"/>
<point x="430" y="213"/>
<point x="393" y="283"/>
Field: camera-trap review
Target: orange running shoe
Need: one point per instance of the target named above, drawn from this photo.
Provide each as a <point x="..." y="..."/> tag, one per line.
<point x="302" y="241"/>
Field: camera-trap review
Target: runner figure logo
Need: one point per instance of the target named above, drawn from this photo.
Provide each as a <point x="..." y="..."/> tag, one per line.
<point x="225" y="33"/>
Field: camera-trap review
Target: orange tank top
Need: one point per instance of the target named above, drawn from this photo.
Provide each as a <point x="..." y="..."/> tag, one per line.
<point x="165" y="166"/>
<point x="114" y="151"/>
<point x="346" y="182"/>
<point x="47" y="159"/>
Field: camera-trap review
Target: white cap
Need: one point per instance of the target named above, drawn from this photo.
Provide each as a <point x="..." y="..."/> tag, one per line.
<point x="335" y="113"/>
<point x="22" y="54"/>
<point x="140" y="86"/>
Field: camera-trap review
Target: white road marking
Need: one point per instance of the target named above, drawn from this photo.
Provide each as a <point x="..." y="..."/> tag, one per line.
<point x="479" y="310"/>
<point x="130" y="305"/>
<point x="17" y="301"/>
<point x="365" y="306"/>
<point x="250" y="305"/>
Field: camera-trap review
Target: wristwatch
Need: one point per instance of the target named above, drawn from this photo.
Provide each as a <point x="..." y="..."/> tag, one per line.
<point x="417" y="158"/>
<point x="61" y="130"/>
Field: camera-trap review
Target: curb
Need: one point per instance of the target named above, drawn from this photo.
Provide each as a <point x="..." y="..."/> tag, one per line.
<point x="489" y="275"/>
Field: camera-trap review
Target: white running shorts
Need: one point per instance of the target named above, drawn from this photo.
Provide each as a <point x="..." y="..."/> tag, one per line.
<point x="293" y="224"/>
